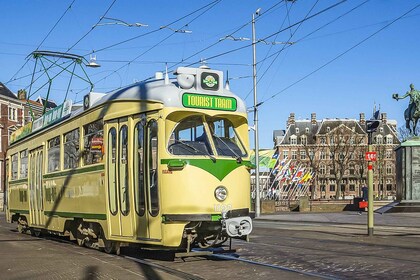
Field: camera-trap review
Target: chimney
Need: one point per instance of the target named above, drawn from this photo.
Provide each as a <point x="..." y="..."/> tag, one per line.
<point x="291" y="119"/>
<point x="383" y="118"/>
<point x="362" y="118"/>
<point x="313" y="118"/>
<point x="21" y="94"/>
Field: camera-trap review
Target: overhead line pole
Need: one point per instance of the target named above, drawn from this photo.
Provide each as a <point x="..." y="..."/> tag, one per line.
<point x="256" y="144"/>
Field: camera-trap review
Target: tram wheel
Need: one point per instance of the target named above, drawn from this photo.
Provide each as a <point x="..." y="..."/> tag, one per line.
<point x="111" y="247"/>
<point x="80" y="241"/>
<point x="36" y="233"/>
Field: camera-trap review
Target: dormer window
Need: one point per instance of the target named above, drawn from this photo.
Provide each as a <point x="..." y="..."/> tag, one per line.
<point x="293" y="140"/>
<point x="328" y="129"/>
<point x="307" y="130"/>
<point x="297" y="130"/>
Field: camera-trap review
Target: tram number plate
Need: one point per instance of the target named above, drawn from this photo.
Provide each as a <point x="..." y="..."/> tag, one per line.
<point x="222" y="207"/>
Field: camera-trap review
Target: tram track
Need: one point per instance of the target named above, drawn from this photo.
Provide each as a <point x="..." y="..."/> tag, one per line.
<point x="279" y="267"/>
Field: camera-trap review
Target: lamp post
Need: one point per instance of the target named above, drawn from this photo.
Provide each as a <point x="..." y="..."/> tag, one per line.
<point x="256" y="143"/>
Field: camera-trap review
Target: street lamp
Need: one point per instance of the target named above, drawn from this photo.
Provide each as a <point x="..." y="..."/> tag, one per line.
<point x="176" y="30"/>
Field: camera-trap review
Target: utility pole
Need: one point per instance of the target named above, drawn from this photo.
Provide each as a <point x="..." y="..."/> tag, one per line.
<point x="256" y="144"/>
<point x="371" y="126"/>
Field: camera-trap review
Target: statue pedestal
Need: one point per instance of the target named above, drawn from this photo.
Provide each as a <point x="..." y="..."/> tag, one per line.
<point x="408" y="170"/>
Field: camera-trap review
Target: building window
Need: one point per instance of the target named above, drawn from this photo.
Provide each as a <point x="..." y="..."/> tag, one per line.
<point x="93" y="141"/>
<point x="332" y="188"/>
<point x="71" y="149"/>
<point x="351" y="169"/>
<point x="341" y="156"/>
<point x="54" y="154"/>
<point x="352" y="188"/>
<point x="322" y="169"/>
<point x="322" y="140"/>
<point x="285" y="154"/>
<point x="322" y="155"/>
<point x="303" y="140"/>
<point x="302" y="154"/>
<point x="389" y="187"/>
<point x="388" y="154"/>
<point x="379" y="139"/>
<point x="23" y="164"/>
<point x="294" y="154"/>
<point x="311" y="154"/>
<point x="293" y="140"/>
<point x="297" y="130"/>
<point x="12" y="113"/>
<point x="307" y="130"/>
<point x="331" y="155"/>
<point x="389" y="139"/>
<point x="328" y="129"/>
<point x="388" y="169"/>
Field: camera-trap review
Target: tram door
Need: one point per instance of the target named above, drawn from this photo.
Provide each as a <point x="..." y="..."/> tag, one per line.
<point x="146" y="187"/>
<point x="36" y="203"/>
<point x="119" y="177"/>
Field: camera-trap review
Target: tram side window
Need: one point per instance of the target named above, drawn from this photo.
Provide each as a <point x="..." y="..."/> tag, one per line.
<point x="54" y="154"/>
<point x="15" y="166"/>
<point x="225" y="138"/>
<point x="71" y="149"/>
<point x="153" y="162"/>
<point x="93" y="142"/>
<point x="23" y="164"/>
<point x="140" y="197"/>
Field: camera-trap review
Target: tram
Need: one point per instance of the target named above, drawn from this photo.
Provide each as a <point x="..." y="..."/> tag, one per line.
<point x="162" y="163"/>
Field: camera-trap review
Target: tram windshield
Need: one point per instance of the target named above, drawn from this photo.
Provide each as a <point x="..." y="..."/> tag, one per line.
<point x="208" y="136"/>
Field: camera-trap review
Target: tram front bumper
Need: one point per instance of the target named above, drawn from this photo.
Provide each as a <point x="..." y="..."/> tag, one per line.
<point x="236" y="223"/>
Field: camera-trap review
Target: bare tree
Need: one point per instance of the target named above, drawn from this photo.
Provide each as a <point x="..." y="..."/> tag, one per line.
<point x="344" y="145"/>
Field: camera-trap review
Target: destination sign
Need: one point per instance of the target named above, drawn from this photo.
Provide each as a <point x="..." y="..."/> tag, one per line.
<point x="212" y="102"/>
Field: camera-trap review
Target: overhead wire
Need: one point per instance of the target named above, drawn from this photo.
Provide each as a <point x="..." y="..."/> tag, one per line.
<point x="292" y="33"/>
<point x="93" y="27"/>
<point x="206" y="8"/>
<point x="340" y="55"/>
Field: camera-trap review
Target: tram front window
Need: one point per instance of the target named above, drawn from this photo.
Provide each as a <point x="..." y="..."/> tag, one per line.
<point x="207" y="136"/>
<point x="190" y="138"/>
<point x="225" y="139"/>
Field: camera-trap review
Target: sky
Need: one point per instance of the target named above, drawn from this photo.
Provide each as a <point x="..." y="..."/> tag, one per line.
<point x="335" y="58"/>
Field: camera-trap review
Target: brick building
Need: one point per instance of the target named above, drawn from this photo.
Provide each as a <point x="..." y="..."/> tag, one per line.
<point x="335" y="150"/>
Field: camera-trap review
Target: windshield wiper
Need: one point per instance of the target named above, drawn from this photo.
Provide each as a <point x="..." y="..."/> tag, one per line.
<point x="197" y="151"/>
<point x="237" y="157"/>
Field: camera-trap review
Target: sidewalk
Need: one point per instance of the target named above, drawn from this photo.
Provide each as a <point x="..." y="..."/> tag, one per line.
<point x="387" y="219"/>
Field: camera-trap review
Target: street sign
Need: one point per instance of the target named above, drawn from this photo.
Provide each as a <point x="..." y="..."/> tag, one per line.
<point x="370" y="156"/>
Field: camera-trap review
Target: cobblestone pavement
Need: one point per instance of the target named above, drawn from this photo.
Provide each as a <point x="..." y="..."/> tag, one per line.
<point x="322" y="245"/>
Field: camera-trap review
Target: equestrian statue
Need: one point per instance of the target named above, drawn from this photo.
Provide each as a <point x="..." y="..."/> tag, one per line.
<point x="412" y="113"/>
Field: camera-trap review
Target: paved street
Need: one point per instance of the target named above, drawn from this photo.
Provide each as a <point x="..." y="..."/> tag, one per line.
<point x="282" y="246"/>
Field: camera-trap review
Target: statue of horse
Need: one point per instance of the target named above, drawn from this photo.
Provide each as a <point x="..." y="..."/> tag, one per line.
<point x="412" y="113"/>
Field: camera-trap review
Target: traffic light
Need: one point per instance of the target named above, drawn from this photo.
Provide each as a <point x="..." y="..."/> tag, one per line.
<point x="372" y="125"/>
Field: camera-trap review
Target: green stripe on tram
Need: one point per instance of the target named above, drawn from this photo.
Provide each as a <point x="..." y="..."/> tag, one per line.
<point x="19" y="211"/>
<point x="75" y="171"/>
<point x="219" y="169"/>
<point x="75" y="215"/>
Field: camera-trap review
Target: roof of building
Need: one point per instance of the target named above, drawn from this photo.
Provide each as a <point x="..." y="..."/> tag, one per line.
<point x="310" y="128"/>
<point x="6" y="92"/>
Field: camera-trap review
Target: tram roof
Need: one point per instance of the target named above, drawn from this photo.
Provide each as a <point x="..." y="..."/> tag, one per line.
<point x="169" y="94"/>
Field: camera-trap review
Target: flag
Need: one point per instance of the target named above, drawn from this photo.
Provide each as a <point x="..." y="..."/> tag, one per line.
<point x="264" y="157"/>
<point x="298" y="174"/>
<point x="274" y="160"/>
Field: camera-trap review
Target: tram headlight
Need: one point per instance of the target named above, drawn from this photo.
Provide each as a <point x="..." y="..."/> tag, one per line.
<point x="220" y="193"/>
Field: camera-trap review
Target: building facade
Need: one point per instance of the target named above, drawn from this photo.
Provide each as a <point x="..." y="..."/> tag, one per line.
<point x="11" y="118"/>
<point x="335" y="150"/>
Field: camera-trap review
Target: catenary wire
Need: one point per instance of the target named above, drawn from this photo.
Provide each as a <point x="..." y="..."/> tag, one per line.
<point x="340" y="55"/>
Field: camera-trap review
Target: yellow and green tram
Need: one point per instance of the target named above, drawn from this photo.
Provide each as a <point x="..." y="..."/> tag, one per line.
<point x="162" y="163"/>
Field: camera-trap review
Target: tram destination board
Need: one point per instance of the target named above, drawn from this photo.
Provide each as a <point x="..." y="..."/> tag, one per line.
<point x="212" y="102"/>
